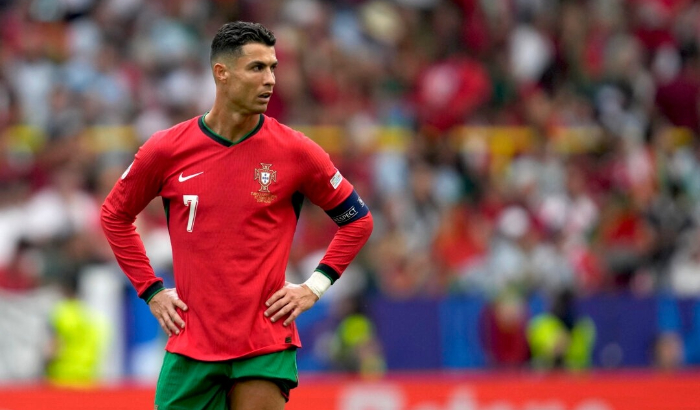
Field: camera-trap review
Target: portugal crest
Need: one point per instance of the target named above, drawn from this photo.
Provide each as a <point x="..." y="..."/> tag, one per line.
<point x="265" y="177"/>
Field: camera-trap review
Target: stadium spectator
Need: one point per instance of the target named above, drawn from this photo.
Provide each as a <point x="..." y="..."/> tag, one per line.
<point x="560" y="338"/>
<point x="504" y="323"/>
<point x="79" y="337"/>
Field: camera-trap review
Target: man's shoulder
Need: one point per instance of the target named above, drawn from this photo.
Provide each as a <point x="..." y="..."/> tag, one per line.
<point x="300" y="148"/>
<point x="175" y="130"/>
<point x="290" y="139"/>
<point x="282" y="130"/>
<point x="161" y="143"/>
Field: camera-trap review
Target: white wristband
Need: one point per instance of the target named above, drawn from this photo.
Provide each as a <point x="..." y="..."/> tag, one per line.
<point x="318" y="283"/>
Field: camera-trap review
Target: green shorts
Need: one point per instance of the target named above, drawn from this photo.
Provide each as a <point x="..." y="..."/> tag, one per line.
<point x="186" y="383"/>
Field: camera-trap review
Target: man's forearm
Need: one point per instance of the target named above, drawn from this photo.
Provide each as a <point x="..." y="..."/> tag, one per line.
<point x="345" y="246"/>
<point x="130" y="252"/>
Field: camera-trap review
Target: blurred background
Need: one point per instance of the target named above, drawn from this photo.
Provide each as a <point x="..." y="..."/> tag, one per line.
<point x="533" y="168"/>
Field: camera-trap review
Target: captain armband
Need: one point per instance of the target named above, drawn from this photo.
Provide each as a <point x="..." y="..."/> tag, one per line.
<point x="352" y="209"/>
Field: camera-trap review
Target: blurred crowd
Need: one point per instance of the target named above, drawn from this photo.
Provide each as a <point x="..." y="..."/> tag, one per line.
<point x="84" y="82"/>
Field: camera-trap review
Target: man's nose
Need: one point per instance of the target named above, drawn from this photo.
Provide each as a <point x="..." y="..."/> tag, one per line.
<point x="269" y="77"/>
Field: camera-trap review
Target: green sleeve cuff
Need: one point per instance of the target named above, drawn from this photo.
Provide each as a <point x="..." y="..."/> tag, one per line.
<point x="329" y="272"/>
<point x="152" y="291"/>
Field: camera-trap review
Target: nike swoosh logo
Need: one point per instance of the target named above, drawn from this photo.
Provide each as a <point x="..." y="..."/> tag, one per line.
<point x="183" y="179"/>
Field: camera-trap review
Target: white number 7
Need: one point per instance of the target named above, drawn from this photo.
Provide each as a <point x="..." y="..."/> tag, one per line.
<point x="191" y="201"/>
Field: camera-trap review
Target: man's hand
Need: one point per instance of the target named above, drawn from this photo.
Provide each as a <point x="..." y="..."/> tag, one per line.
<point x="290" y="300"/>
<point x="164" y="307"/>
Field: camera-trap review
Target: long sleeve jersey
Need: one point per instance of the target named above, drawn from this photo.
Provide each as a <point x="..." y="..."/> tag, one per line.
<point x="232" y="209"/>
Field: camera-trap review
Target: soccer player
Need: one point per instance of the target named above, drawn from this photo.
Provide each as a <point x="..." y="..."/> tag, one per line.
<point x="232" y="183"/>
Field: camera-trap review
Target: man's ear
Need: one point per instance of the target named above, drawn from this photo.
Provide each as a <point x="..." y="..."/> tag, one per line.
<point x="221" y="72"/>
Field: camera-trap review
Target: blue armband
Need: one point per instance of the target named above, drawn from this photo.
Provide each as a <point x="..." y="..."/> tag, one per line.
<point x="352" y="209"/>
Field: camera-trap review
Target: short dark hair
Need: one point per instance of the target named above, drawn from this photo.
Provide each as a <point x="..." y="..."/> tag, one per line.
<point x="234" y="35"/>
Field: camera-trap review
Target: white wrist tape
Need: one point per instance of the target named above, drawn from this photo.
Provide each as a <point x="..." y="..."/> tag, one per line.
<point x="318" y="283"/>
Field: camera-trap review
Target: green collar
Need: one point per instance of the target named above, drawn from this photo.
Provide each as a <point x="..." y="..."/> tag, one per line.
<point x="223" y="141"/>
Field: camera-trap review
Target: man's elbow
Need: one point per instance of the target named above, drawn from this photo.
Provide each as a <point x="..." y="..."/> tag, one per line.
<point x="370" y="224"/>
<point x="105" y="215"/>
<point x="109" y="218"/>
<point x="367" y="225"/>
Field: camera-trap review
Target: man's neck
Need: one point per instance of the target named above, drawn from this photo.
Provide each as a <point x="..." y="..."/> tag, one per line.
<point x="231" y="126"/>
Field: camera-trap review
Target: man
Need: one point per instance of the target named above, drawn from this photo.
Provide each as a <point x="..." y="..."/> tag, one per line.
<point x="232" y="183"/>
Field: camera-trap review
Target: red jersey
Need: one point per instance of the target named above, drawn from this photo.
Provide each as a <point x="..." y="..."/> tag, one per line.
<point x="232" y="210"/>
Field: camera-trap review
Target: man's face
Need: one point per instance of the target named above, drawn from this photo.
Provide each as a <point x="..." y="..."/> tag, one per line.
<point x="251" y="78"/>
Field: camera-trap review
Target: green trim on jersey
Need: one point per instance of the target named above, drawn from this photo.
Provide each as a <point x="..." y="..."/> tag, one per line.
<point x="152" y="291"/>
<point x="329" y="272"/>
<point x="223" y="141"/>
<point x="157" y="291"/>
